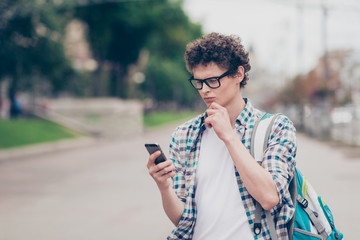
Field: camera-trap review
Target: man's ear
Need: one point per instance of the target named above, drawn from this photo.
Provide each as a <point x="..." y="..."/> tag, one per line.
<point x="240" y="74"/>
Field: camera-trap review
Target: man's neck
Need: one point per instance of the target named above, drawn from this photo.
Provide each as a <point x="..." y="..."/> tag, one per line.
<point x="235" y="109"/>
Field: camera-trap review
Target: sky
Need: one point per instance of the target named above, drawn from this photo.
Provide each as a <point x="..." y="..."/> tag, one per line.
<point x="285" y="39"/>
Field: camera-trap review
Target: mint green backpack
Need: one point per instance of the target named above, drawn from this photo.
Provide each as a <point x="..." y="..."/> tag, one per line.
<point x="313" y="219"/>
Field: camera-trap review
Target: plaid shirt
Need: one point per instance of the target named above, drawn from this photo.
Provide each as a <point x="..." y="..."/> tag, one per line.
<point x="279" y="160"/>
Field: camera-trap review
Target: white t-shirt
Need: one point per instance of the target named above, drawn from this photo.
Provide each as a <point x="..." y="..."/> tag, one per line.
<point x="220" y="210"/>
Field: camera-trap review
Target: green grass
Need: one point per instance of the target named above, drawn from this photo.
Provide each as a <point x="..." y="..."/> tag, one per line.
<point x="156" y="119"/>
<point x="21" y="132"/>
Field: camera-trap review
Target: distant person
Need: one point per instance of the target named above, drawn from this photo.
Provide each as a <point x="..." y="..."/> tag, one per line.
<point x="215" y="180"/>
<point x="15" y="107"/>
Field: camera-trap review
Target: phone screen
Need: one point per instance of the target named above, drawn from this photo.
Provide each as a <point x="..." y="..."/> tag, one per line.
<point x="153" y="147"/>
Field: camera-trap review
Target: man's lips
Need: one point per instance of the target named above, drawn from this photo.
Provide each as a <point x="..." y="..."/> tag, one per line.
<point x="209" y="99"/>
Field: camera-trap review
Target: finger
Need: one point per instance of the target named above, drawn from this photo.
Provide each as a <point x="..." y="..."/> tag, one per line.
<point x="152" y="158"/>
<point x="215" y="105"/>
<point x="168" y="175"/>
<point x="164" y="178"/>
<point x="211" y="112"/>
<point x="163" y="174"/>
<point x="163" y="165"/>
<point x="217" y="109"/>
<point x="171" y="168"/>
<point x="157" y="168"/>
<point x="166" y="170"/>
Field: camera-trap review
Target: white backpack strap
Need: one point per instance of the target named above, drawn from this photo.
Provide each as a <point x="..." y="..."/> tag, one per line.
<point x="259" y="142"/>
<point x="260" y="135"/>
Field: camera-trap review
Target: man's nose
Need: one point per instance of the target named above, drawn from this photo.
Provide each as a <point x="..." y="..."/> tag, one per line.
<point x="205" y="88"/>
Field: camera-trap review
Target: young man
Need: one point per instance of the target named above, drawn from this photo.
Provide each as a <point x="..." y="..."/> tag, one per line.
<point x="215" y="180"/>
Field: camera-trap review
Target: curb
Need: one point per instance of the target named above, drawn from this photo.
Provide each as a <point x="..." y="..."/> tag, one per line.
<point x="43" y="148"/>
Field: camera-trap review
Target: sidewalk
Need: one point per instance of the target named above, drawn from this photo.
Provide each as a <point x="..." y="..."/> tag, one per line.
<point x="333" y="171"/>
<point x="103" y="190"/>
<point x="100" y="191"/>
<point x="45" y="148"/>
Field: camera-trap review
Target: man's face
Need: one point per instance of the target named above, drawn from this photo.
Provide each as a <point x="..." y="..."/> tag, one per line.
<point x="229" y="89"/>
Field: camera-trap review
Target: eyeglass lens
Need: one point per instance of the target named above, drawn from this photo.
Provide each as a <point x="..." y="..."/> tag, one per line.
<point x="212" y="83"/>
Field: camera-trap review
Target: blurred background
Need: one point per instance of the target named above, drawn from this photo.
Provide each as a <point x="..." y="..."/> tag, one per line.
<point x="84" y="83"/>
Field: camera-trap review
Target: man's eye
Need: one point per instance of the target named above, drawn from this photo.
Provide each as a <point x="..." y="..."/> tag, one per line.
<point x="212" y="81"/>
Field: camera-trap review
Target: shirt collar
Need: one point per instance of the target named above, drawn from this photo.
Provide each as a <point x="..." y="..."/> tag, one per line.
<point x="246" y="117"/>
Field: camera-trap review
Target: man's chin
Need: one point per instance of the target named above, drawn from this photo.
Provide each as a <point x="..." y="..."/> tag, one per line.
<point x="209" y="102"/>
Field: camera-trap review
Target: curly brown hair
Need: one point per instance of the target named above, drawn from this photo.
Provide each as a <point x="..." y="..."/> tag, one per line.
<point x="226" y="51"/>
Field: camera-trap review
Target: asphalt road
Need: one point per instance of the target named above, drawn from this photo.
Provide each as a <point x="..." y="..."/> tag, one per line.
<point x="103" y="190"/>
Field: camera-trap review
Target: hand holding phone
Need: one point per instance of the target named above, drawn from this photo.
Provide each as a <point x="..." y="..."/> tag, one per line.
<point x="160" y="173"/>
<point x="153" y="147"/>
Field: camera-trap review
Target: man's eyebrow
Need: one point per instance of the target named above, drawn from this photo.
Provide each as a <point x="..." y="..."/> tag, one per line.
<point x="205" y="78"/>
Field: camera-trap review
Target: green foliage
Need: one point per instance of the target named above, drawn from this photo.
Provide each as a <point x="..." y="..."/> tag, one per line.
<point x="117" y="31"/>
<point x="31" y="34"/>
<point x="167" y="81"/>
<point x="166" y="73"/>
<point x="22" y="132"/>
<point x="31" y="44"/>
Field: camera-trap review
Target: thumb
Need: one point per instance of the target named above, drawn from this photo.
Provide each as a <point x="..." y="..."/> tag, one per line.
<point x="153" y="157"/>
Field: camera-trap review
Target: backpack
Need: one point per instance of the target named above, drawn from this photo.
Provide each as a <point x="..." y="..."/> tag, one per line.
<point x="313" y="219"/>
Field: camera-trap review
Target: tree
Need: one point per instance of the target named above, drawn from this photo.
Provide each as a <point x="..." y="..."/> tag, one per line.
<point x="31" y="45"/>
<point x="166" y="72"/>
<point x="31" y="36"/>
<point x="119" y="31"/>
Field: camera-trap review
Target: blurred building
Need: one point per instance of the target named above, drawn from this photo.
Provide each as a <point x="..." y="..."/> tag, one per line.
<point x="333" y="89"/>
<point x="325" y="80"/>
<point x="350" y="76"/>
<point x="338" y="73"/>
<point x="77" y="48"/>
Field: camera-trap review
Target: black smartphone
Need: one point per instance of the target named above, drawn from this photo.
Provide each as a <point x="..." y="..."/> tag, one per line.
<point x="153" y="147"/>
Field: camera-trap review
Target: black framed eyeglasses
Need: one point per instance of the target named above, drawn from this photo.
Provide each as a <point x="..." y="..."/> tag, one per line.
<point x="211" y="82"/>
